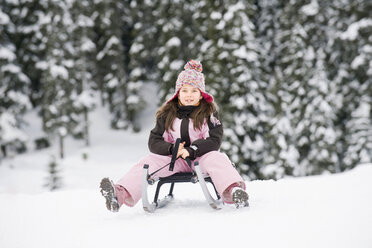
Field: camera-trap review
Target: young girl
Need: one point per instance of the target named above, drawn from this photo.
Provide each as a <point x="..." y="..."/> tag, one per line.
<point x="189" y="114"/>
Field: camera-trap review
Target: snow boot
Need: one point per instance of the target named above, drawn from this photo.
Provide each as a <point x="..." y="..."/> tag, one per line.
<point x="239" y="197"/>
<point x="108" y="191"/>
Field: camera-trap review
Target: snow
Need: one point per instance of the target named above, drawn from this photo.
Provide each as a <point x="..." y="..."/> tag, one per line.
<point x="358" y="61"/>
<point x="221" y="25"/>
<point x="205" y="46"/>
<point x="133" y="99"/>
<point x="113" y="41"/>
<point x="6" y="53"/>
<point x="62" y="131"/>
<point x="173" y="42"/>
<point x="231" y="11"/>
<point x="176" y="64"/>
<point x="216" y="15"/>
<point x="114" y="82"/>
<point x="311" y="9"/>
<point x="136" y="47"/>
<point x="11" y="68"/>
<point x="19" y="97"/>
<point x="58" y="71"/>
<point x="9" y="132"/>
<point x="86" y="98"/>
<point x="87" y="45"/>
<point x="244" y="54"/>
<point x="84" y="21"/>
<point x="137" y="72"/>
<point x="352" y="32"/>
<point x="319" y="211"/>
<point x="4" y="18"/>
<point x="239" y="102"/>
<point x="362" y="111"/>
<point x="42" y="65"/>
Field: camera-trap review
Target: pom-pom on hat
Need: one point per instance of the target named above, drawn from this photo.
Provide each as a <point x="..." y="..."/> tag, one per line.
<point x="192" y="75"/>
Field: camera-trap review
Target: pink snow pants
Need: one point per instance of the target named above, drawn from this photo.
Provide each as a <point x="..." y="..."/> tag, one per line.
<point x="214" y="163"/>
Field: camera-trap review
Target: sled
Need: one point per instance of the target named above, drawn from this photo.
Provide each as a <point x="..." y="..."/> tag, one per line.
<point x="194" y="177"/>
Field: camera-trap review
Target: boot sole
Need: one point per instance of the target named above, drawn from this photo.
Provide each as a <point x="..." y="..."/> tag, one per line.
<point x="108" y="191"/>
<point x="240" y="198"/>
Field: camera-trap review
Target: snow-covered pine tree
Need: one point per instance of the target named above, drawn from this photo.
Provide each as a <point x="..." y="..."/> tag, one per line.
<point x="60" y="114"/>
<point x="82" y="32"/>
<point x="174" y="42"/>
<point x="111" y="74"/>
<point x="140" y="40"/>
<point x="317" y="136"/>
<point x="139" y="43"/>
<point x="349" y="67"/>
<point x="230" y="54"/>
<point x="54" y="180"/>
<point x="281" y="137"/>
<point x="14" y="88"/>
<point x="267" y="20"/>
<point x="27" y="19"/>
<point x="302" y="135"/>
<point x="359" y="136"/>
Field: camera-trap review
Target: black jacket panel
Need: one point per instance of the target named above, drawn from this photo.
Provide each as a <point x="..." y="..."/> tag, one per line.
<point x="156" y="143"/>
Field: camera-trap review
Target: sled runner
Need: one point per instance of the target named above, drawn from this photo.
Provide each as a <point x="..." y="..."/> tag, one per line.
<point x="173" y="179"/>
<point x="179" y="178"/>
<point x="193" y="177"/>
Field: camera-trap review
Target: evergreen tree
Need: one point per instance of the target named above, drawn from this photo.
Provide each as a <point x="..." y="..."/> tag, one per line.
<point x="349" y="68"/>
<point x="267" y="24"/>
<point x="81" y="74"/>
<point x="53" y="181"/>
<point x="112" y="72"/>
<point x="28" y="19"/>
<point x="14" y="89"/>
<point x="60" y="114"/>
<point x="175" y="42"/>
<point x="302" y="135"/>
<point x="292" y="79"/>
<point x="140" y="43"/>
<point x="230" y="53"/>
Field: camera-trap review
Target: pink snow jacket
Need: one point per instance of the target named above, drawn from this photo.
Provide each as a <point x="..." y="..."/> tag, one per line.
<point x="197" y="142"/>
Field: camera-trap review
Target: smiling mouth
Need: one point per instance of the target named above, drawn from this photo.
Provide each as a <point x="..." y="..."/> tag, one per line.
<point x="188" y="102"/>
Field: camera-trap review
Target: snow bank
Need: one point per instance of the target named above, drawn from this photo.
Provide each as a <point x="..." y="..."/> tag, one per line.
<point x="324" y="211"/>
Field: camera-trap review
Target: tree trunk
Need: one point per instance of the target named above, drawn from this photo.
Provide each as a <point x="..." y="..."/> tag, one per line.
<point x="61" y="148"/>
<point x="3" y="150"/>
<point x="86" y="127"/>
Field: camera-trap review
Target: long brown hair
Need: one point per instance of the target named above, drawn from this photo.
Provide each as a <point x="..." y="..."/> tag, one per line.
<point x="169" y="112"/>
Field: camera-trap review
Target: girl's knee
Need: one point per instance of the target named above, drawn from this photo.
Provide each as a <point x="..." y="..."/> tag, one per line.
<point x="154" y="161"/>
<point x="216" y="156"/>
<point x="153" y="158"/>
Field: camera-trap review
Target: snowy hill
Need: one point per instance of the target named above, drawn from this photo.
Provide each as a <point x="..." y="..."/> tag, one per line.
<point x="320" y="211"/>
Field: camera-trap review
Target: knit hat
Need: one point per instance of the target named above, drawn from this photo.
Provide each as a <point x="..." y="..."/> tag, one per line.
<point x="192" y="75"/>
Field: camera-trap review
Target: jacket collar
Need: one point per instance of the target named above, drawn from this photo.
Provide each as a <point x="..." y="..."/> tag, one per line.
<point x="185" y="111"/>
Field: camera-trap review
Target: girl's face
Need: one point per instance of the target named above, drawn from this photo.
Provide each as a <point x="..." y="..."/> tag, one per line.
<point x="189" y="95"/>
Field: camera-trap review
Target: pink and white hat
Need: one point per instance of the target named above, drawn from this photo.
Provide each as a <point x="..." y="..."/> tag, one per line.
<point x="192" y="75"/>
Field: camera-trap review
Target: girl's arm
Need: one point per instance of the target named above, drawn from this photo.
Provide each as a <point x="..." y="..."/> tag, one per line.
<point x="156" y="142"/>
<point x="212" y="143"/>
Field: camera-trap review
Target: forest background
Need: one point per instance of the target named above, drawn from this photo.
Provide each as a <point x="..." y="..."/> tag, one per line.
<point x="292" y="79"/>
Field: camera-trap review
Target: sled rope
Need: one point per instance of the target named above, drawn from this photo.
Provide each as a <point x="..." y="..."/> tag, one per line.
<point x="173" y="160"/>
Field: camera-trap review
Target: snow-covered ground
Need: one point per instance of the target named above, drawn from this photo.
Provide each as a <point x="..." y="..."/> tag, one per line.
<point x="320" y="211"/>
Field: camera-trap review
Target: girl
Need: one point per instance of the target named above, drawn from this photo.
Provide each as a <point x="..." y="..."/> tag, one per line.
<point x="189" y="114"/>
